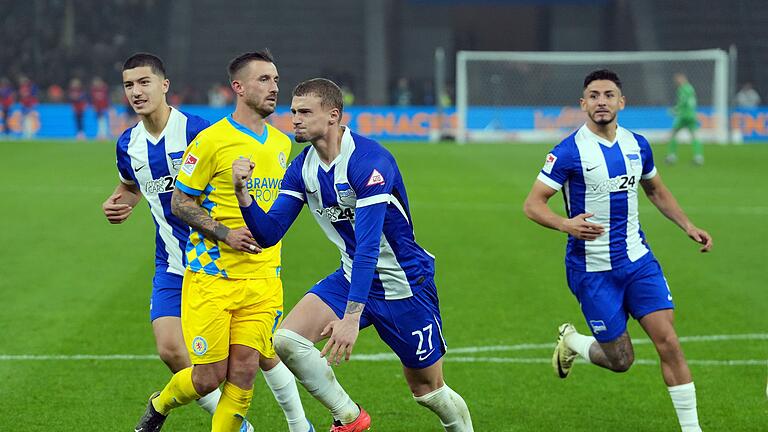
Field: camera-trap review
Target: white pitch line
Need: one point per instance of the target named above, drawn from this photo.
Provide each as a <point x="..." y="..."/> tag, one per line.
<point x="451" y="357"/>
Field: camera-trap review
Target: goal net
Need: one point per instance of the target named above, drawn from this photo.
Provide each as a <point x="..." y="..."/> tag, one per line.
<point x="534" y="96"/>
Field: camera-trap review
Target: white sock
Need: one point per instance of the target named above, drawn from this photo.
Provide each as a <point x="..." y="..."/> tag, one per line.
<point x="210" y="401"/>
<point x="283" y="385"/>
<point x="450" y="407"/>
<point x="684" y="401"/>
<point x="580" y="344"/>
<point x="313" y="372"/>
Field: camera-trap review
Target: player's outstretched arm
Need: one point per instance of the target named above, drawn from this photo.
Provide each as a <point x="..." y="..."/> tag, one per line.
<point x="537" y="210"/>
<point x="662" y="198"/>
<point x="188" y="210"/>
<point x="121" y="203"/>
<point x="267" y="228"/>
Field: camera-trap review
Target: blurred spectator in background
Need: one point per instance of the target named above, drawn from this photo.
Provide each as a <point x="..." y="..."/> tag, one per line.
<point x="79" y="101"/>
<point x="403" y="95"/>
<point x="28" y="99"/>
<point x="217" y="96"/>
<point x="747" y="96"/>
<point x="7" y="99"/>
<point x="55" y="93"/>
<point x="101" y="102"/>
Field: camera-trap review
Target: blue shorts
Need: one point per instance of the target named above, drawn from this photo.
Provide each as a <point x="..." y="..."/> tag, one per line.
<point x="608" y="297"/>
<point x="412" y="326"/>
<point x="166" y="295"/>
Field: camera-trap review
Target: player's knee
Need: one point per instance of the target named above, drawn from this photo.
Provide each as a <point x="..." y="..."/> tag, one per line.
<point x="243" y="371"/>
<point x="667" y="345"/>
<point x="207" y="378"/>
<point x="623" y="363"/>
<point x="176" y="357"/>
<point x="290" y="345"/>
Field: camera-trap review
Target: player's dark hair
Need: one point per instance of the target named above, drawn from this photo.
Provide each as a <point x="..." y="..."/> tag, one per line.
<point x="242" y="60"/>
<point x="146" y="59"/>
<point x="602" y="74"/>
<point x="327" y="90"/>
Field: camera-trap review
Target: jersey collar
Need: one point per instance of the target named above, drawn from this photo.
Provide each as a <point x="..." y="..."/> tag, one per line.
<point x="598" y="138"/>
<point x="260" y="138"/>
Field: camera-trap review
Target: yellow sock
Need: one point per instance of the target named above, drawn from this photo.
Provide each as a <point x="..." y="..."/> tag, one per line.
<point x="232" y="408"/>
<point x="179" y="391"/>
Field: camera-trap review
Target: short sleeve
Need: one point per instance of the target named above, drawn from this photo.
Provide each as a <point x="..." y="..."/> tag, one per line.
<point x="197" y="168"/>
<point x="124" y="160"/>
<point x="646" y="154"/>
<point x="293" y="182"/>
<point x="372" y="177"/>
<point x="195" y="125"/>
<point x="558" y="166"/>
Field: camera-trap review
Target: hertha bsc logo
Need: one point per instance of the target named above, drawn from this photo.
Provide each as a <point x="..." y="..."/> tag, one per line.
<point x="199" y="345"/>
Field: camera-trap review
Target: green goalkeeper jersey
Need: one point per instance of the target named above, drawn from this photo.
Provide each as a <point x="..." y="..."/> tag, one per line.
<point x="686" y="101"/>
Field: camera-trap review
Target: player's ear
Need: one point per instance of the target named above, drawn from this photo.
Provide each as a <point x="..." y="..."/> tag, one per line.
<point x="166" y="85"/>
<point x="622" y="102"/>
<point x="334" y="117"/>
<point x="583" y="104"/>
<point x="237" y="87"/>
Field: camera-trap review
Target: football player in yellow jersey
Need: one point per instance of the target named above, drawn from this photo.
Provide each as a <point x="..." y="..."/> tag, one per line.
<point x="232" y="295"/>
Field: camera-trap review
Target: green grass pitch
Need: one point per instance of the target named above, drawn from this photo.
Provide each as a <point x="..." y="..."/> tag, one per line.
<point x="71" y="284"/>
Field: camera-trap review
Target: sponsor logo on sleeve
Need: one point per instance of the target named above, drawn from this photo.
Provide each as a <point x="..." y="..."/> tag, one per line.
<point x="189" y="164"/>
<point x="549" y="162"/>
<point x="375" y="179"/>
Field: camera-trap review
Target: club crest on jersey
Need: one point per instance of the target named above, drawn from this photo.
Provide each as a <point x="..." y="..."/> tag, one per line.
<point x="199" y="345"/>
<point x="189" y="164"/>
<point x="376" y="178"/>
<point x="176" y="159"/>
<point x="282" y="160"/>
<point x="634" y="159"/>
<point x="345" y="194"/>
<point x="549" y="162"/>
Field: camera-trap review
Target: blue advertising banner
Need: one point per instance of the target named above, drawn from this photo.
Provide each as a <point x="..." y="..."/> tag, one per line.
<point x="387" y="123"/>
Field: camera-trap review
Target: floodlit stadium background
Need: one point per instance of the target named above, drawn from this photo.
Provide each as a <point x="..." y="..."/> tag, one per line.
<point x="77" y="349"/>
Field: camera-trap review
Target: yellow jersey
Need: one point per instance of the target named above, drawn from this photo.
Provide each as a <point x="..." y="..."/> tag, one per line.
<point x="206" y="173"/>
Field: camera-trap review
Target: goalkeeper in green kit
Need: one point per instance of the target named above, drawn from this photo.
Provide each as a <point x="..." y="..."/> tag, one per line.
<point x="685" y="118"/>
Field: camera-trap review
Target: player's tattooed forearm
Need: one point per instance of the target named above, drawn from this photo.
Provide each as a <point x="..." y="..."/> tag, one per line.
<point x="354" y="307"/>
<point x="196" y="217"/>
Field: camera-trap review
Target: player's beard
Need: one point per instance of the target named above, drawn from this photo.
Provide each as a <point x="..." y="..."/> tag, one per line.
<point x="603" y="120"/>
<point x="263" y="109"/>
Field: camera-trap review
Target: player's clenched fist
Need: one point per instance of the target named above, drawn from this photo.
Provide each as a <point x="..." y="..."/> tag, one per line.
<point x="242" y="170"/>
<point x="116" y="212"/>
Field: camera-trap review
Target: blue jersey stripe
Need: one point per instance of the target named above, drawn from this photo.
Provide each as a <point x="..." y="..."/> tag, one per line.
<point x="123" y="159"/>
<point x="180" y="229"/>
<point x="575" y="202"/>
<point x="158" y="161"/>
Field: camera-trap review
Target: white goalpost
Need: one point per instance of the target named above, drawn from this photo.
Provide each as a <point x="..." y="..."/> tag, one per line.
<point x="533" y="96"/>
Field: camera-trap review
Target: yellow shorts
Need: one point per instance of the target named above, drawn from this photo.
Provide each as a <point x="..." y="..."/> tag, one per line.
<point x="218" y="312"/>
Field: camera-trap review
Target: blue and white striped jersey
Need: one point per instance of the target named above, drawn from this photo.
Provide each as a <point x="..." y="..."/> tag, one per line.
<point x="359" y="201"/>
<point x="602" y="178"/>
<point x="152" y="164"/>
